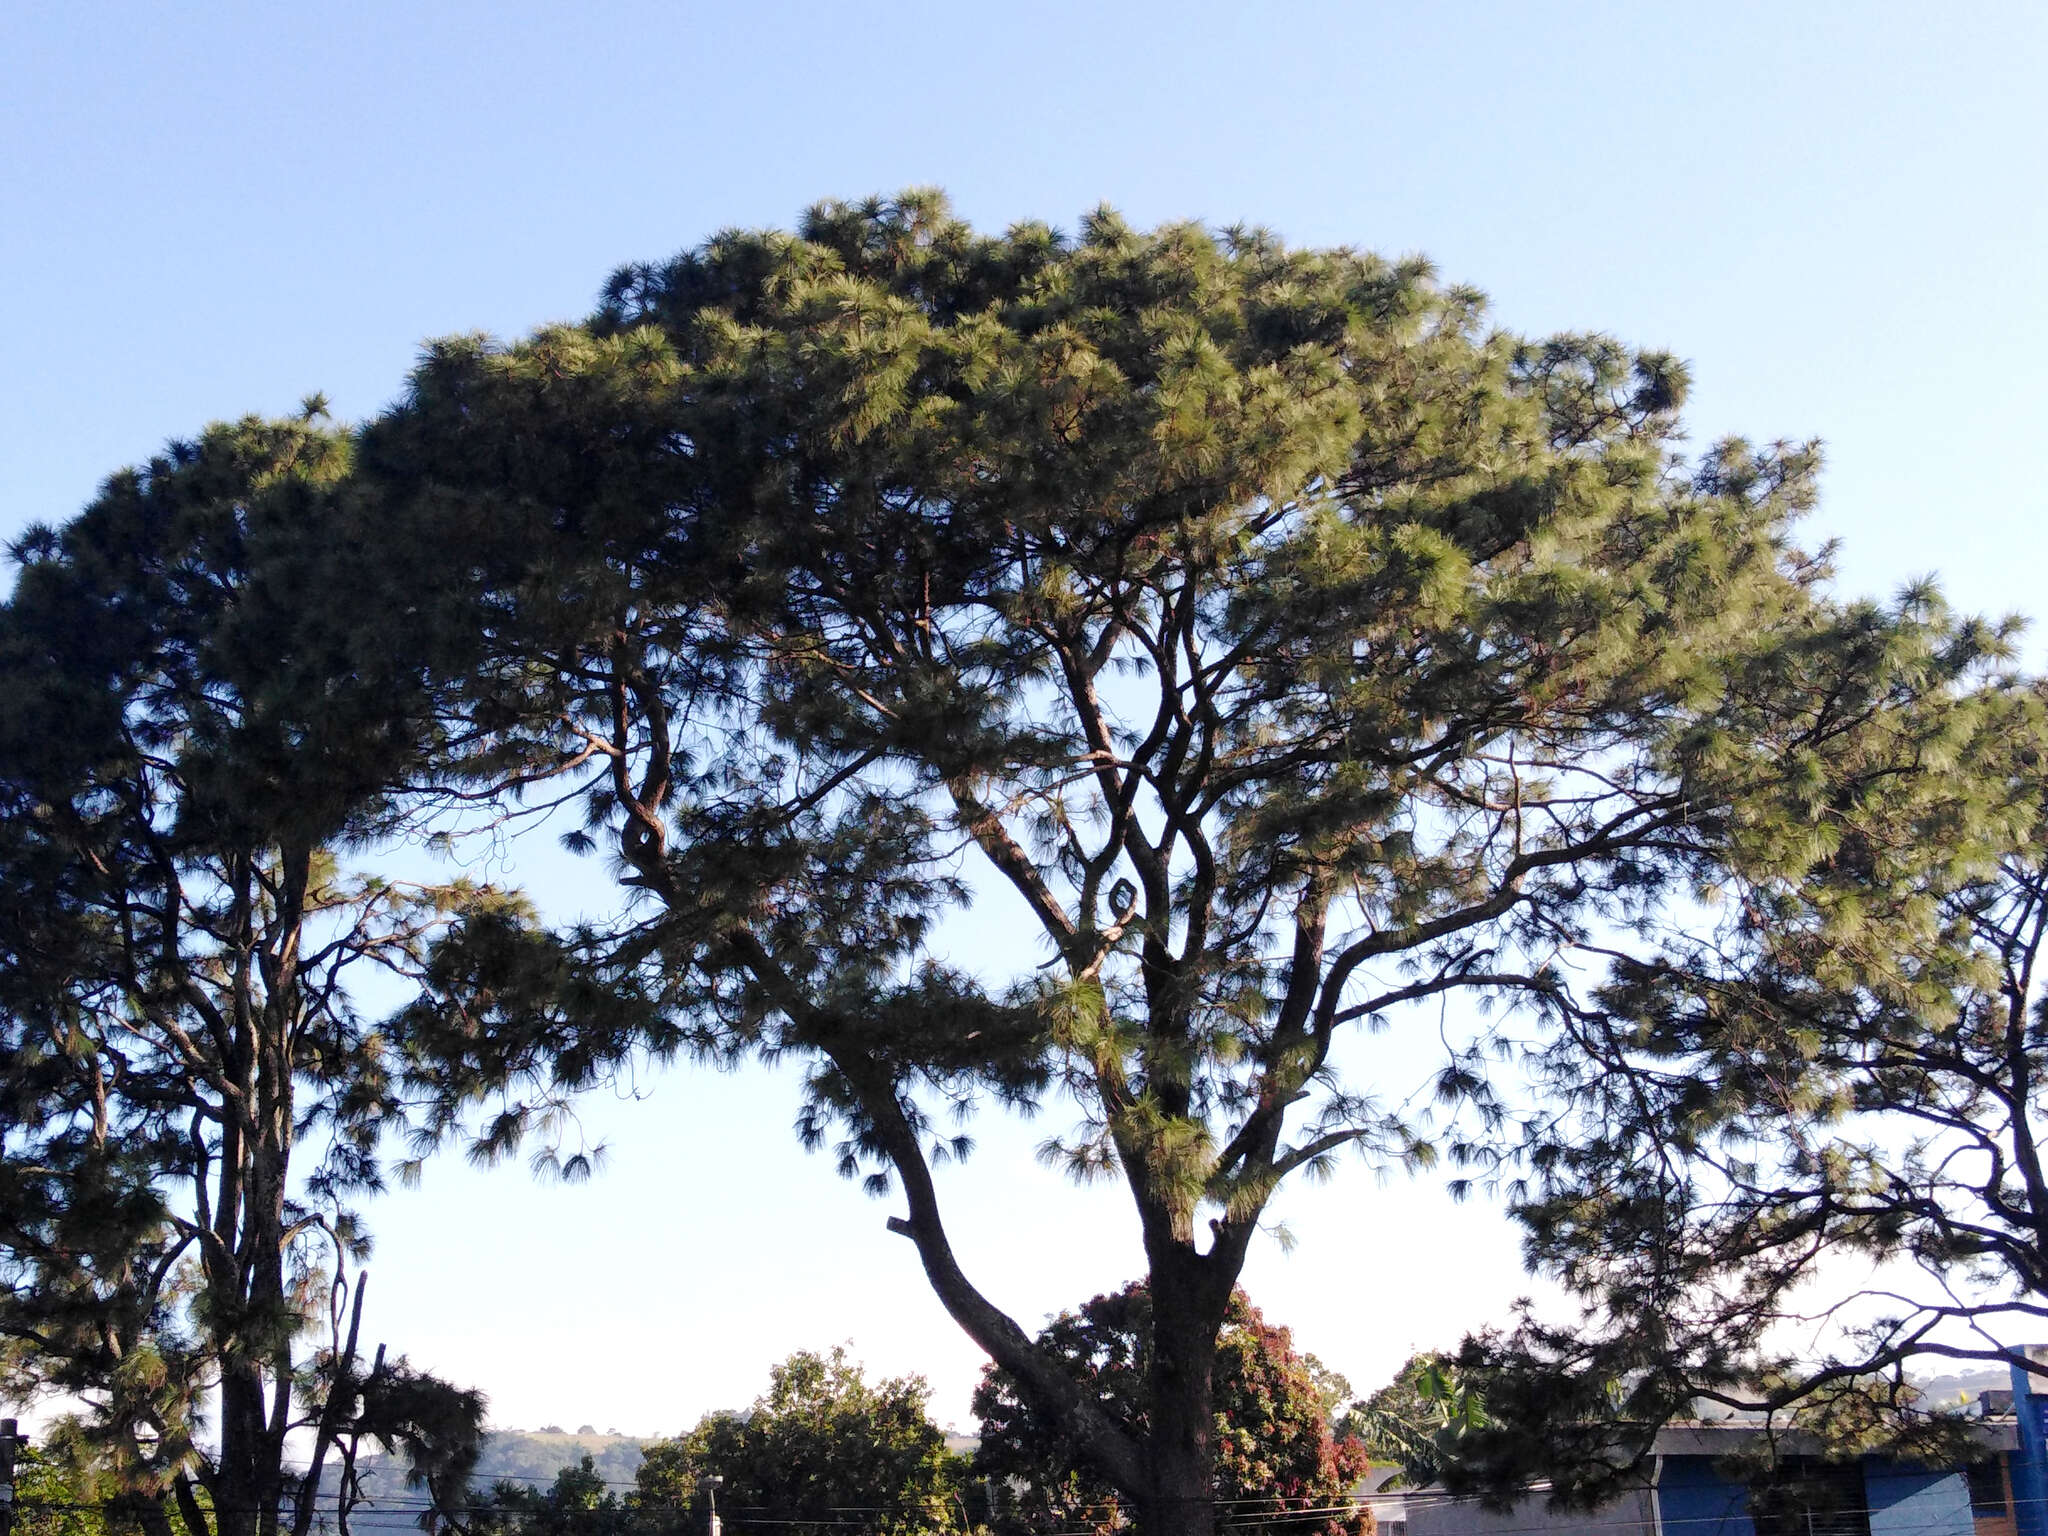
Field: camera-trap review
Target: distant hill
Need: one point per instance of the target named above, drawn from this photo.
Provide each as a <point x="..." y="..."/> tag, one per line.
<point x="529" y="1456"/>
<point x="532" y="1457"/>
<point x="536" y="1455"/>
<point x="1963" y="1384"/>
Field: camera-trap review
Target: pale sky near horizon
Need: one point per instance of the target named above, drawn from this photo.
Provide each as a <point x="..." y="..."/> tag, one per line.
<point x="1835" y="212"/>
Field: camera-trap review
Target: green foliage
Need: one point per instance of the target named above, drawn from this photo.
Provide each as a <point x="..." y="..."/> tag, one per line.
<point x="53" y="1498"/>
<point x="1277" y="1455"/>
<point x="1299" y="652"/>
<point x="1556" y="1410"/>
<point x="1294" y="647"/>
<point x="534" y="1457"/>
<point x="188" y="1097"/>
<point x="578" y="1503"/>
<point x="1417" y="1418"/>
<point x="1846" y="1065"/>
<point x="822" y="1446"/>
<point x="514" y="1470"/>
<point x="437" y="1428"/>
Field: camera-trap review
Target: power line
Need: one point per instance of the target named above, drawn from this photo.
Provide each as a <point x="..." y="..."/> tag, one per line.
<point x="1274" y="1513"/>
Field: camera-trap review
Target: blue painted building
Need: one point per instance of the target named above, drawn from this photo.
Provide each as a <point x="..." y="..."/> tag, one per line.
<point x="1689" y="1489"/>
<point x="2029" y="1460"/>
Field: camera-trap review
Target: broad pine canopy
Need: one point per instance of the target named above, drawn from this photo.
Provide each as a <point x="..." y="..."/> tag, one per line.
<point x="1279" y="642"/>
<point x="1276" y="643"/>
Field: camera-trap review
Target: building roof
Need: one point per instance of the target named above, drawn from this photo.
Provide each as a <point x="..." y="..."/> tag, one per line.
<point x="1727" y="1438"/>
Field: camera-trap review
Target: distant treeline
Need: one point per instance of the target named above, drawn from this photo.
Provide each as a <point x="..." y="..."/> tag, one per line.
<point x="510" y="1455"/>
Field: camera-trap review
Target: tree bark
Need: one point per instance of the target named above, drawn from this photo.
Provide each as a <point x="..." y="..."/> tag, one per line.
<point x="1190" y="1295"/>
<point x="1180" y="1451"/>
<point x="235" y="1485"/>
<point x="250" y="1309"/>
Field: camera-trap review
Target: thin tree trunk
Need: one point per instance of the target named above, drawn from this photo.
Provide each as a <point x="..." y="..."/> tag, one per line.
<point x="269" y="1306"/>
<point x="251" y="1311"/>
<point x="188" y="1507"/>
<point x="235" y="1484"/>
<point x="330" y="1413"/>
<point x="148" y="1514"/>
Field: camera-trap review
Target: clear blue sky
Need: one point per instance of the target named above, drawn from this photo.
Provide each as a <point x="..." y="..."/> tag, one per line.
<point x="1836" y="212"/>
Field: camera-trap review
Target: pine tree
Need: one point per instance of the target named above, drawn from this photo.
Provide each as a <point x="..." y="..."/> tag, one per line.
<point x="189" y="1100"/>
<point x="1287" y="645"/>
<point x="1848" y="1066"/>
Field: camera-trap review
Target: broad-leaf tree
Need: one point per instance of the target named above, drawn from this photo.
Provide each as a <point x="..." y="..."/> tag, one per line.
<point x="1415" y="1418"/>
<point x="578" y="1503"/>
<point x="51" y="1498"/>
<point x="822" y="1446"/>
<point x="1279" y="1465"/>
<point x="1284" y="651"/>
<point x="189" y="1098"/>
